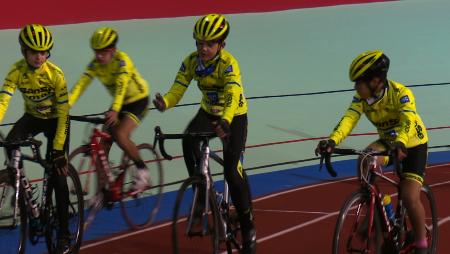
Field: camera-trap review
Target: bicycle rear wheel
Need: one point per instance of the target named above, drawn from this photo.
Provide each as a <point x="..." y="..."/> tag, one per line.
<point x="13" y="234"/>
<point x="139" y="210"/>
<point x="352" y="227"/>
<point x="192" y="232"/>
<point x="431" y="222"/>
<point x="431" y="218"/>
<point x="75" y="212"/>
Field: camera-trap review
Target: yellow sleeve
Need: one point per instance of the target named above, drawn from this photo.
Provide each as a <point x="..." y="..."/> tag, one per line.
<point x="233" y="91"/>
<point x="7" y="91"/>
<point x="407" y="110"/>
<point x="84" y="81"/>
<point x="123" y="78"/>
<point x="348" y="121"/>
<point x="62" y="111"/>
<point x="180" y="85"/>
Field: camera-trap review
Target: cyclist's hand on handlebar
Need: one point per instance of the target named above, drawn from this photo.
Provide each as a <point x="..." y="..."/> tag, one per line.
<point x="111" y="117"/>
<point x="222" y="128"/>
<point x="159" y="103"/>
<point x="325" y="146"/>
<point x="59" y="160"/>
<point x="399" y="150"/>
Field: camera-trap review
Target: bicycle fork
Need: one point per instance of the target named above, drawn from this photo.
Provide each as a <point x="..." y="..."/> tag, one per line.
<point x="21" y="180"/>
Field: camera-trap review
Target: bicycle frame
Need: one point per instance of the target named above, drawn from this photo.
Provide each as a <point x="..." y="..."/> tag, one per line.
<point x="97" y="152"/>
<point x="22" y="181"/>
<point x="369" y="173"/>
<point x="223" y="199"/>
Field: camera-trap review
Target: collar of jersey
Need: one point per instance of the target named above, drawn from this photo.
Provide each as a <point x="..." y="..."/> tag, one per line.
<point x="373" y="100"/>
<point x="39" y="70"/>
<point x="205" y="69"/>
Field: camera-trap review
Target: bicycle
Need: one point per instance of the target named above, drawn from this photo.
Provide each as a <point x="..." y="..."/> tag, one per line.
<point x="138" y="208"/>
<point x="22" y="216"/>
<point x="363" y="225"/>
<point x="200" y="210"/>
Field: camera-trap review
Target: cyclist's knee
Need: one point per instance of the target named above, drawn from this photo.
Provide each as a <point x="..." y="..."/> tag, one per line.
<point x="410" y="192"/>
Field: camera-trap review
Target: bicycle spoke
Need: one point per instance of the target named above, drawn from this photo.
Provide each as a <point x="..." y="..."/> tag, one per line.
<point x="75" y="212"/>
<point x="13" y="233"/>
<point x="140" y="207"/>
<point x="352" y="229"/>
<point x="193" y="232"/>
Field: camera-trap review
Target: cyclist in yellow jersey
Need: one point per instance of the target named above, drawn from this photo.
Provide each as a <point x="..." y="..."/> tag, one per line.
<point x="130" y="92"/>
<point x="223" y="109"/>
<point x="391" y="107"/>
<point x="44" y="92"/>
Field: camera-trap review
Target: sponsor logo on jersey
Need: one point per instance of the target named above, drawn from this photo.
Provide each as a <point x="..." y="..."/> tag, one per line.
<point x="229" y="69"/>
<point x="404" y="99"/>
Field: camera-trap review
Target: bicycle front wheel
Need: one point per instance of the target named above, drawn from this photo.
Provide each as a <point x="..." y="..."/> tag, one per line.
<point x="13" y="232"/>
<point x="193" y="232"/>
<point x="352" y="230"/>
<point x="81" y="159"/>
<point x="73" y="234"/>
<point x="139" y="209"/>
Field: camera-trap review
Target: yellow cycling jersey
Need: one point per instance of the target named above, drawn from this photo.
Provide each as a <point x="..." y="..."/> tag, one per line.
<point x="44" y="92"/>
<point x="219" y="80"/>
<point x="120" y="77"/>
<point x="394" y="114"/>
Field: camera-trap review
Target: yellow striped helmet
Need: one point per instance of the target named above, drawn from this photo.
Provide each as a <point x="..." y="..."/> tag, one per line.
<point x="368" y="64"/>
<point x="211" y="27"/>
<point x="36" y="37"/>
<point x="104" y="37"/>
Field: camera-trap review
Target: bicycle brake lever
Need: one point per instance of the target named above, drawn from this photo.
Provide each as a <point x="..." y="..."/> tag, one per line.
<point x="328" y="165"/>
<point x="322" y="156"/>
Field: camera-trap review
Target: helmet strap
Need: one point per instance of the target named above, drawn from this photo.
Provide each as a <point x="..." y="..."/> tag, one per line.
<point x="374" y="91"/>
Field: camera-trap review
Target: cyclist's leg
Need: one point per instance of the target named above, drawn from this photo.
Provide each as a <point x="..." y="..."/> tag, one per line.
<point x="191" y="147"/>
<point x="130" y="117"/>
<point x="376" y="146"/>
<point x="191" y="151"/>
<point x="238" y="181"/>
<point x="411" y="182"/>
<point x="59" y="182"/>
<point x="25" y="126"/>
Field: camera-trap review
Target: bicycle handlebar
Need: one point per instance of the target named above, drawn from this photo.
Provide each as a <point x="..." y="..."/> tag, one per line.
<point x="160" y="136"/>
<point x="88" y="119"/>
<point x="33" y="144"/>
<point x="347" y="151"/>
<point x="21" y="143"/>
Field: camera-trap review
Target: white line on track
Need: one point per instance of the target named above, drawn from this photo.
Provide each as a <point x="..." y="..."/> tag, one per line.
<point x="326" y="216"/>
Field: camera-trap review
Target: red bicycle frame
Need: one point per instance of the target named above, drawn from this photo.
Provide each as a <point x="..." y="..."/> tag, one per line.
<point x="97" y="152"/>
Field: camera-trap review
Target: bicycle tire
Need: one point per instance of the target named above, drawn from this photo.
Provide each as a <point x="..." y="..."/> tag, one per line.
<point x="434" y="234"/>
<point x="11" y="233"/>
<point x="140" y="210"/>
<point x="76" y="214"/>
<point x="192" y="241"/>
<point x="81" y="159"/>
<point x="357" y="227"/>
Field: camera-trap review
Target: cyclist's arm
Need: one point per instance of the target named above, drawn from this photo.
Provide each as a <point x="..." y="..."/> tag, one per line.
<point x="348" y="121"/>
<point x="180" y="85"/>
<point x="233" y="91"/>
<point x="79" y="88"/>
<point x="62" y="111"/>
<point x="7" y="91"/>
<point x="407" y="110"/>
